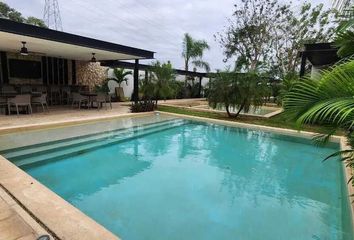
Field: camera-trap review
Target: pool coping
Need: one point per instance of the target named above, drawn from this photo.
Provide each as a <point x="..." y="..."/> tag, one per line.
<point x="66" y="221"/>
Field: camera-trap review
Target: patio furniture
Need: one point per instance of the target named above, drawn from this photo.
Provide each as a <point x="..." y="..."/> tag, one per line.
<point x="101" y="98"/>
<point x="54" y="95"/>
<point x="3" y="103"/>
<point x="26" y="89"/>
<point x="80" y="99"/>
<point x="66" y="94"/>
<point x="23" y="100"/>
<point x="41" y="100"/>
<point x="89" y="95"/>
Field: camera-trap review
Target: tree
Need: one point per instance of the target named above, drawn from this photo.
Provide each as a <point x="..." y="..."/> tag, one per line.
<point x="266" y="35"/>
<point x="12" y="14"/>
<point x="158" y="84"/>
<point x="292" y="30"/>
<point x="233" y="90"/>
<point x="249" y="38"/>
<point x="327" y="100"/>
<point x="345" y="33"/>
<point x="289" y="81"/>
<point x="36" y="22"/>
<point x="120" y="76"/>
<point x="193" y="50"/>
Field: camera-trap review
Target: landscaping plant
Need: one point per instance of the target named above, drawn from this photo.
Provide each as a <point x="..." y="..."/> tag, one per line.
<point x="239" y="91"/>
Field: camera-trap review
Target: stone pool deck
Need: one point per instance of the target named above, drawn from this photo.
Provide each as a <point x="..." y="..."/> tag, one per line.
<point x="66" y="113"/>
<point x="60" y="113"/>
<point x="15" y="222"/>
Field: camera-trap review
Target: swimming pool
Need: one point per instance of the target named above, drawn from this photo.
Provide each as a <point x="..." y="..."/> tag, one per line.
<point x="168" y="178"/>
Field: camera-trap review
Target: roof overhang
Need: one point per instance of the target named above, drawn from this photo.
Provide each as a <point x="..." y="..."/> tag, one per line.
<point x="48" y="42"/>
<point x="320" y="54"/>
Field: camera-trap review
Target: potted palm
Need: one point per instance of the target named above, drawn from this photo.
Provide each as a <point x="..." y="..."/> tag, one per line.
<point x="119" y="76"/>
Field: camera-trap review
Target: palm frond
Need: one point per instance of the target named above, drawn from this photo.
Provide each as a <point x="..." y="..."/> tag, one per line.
<point x="202" y="64"/>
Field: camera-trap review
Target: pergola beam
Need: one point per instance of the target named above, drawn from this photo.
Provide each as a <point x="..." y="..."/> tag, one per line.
<point x="129" y="65"/>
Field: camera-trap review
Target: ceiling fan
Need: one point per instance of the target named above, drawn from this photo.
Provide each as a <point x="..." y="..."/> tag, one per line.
<point x="24" y="51"/>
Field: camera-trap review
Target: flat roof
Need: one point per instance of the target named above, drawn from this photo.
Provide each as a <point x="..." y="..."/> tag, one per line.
<point x="48" y="42"/>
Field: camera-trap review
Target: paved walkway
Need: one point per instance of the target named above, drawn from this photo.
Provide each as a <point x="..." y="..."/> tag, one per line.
<point x="60" y="113"/>
<point x="15" y="222"/>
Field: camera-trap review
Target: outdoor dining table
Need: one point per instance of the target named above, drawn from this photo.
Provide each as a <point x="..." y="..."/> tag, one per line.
<point x="90" y="96"/>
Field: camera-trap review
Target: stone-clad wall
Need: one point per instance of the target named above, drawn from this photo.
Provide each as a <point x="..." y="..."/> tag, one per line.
<point x="90" y="74"/>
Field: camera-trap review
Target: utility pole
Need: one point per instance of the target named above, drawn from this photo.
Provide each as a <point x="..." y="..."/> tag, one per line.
<point x="51" y="16"/>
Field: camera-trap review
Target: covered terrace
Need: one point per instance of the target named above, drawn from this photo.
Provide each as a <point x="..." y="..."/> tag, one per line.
<point x="37" y="61"/>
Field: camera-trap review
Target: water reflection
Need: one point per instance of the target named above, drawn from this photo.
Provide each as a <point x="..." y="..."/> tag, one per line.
<point x="203" y="181"/>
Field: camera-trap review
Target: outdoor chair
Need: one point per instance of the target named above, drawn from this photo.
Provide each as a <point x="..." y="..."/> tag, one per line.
<point x="54" y="95"/>
<point x="26" y="89"/>
<point x="42" y="100"/>
<point x="23" y="100"/>
<point x="66" y="94"/>
<point x="102" y="98"/>
<point x="79" y="99"/>
<point x="3" y="103"/>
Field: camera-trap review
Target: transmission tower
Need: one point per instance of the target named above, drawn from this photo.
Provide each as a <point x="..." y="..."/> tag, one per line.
<point x="51" y="16"/>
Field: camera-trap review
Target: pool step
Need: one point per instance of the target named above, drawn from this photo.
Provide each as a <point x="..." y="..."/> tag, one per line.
<point x="79" y="146"/>
<point x="48" y="146"/>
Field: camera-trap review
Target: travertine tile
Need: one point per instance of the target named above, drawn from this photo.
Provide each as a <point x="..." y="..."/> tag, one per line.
<point x="7" y="198"/>
<point x="28" y="237"/>
<point x="13" y="227"/>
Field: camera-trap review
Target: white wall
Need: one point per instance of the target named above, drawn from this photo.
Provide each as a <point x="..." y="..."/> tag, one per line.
<point x="128" y="88"/>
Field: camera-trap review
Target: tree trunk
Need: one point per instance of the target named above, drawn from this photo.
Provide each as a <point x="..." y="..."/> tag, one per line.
<point x="241" y="108"/>
<point x="228" y="111"/>
<point x="186" y="68"/>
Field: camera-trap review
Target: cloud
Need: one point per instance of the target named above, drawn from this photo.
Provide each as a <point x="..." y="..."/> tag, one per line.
<point x="156" y="25"/>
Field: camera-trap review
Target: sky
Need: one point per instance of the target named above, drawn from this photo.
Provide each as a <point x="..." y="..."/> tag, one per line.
<point x="156" y="25"/>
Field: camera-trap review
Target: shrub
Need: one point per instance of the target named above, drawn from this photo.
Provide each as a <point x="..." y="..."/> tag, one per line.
<point x="143" y="106"/>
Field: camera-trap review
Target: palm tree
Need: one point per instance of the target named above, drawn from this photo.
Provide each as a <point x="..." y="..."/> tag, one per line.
<point x="193" y="51"/>
<point x="161" y="77"/>
<point x="239" y="91"/>
<point x="120" y="76"/>
<point x="328" y="100"/>
<point x="345" y="34"/>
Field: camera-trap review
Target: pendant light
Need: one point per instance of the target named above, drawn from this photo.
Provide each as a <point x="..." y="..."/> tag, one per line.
<point x="24" y="50"/>
<point x="93" y="59"/>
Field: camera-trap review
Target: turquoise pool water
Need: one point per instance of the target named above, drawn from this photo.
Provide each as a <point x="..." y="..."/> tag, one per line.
<point x="178" y="179"/>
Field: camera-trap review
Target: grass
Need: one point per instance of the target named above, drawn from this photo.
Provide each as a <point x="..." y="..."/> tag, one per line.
<point x="279" y="121"/>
